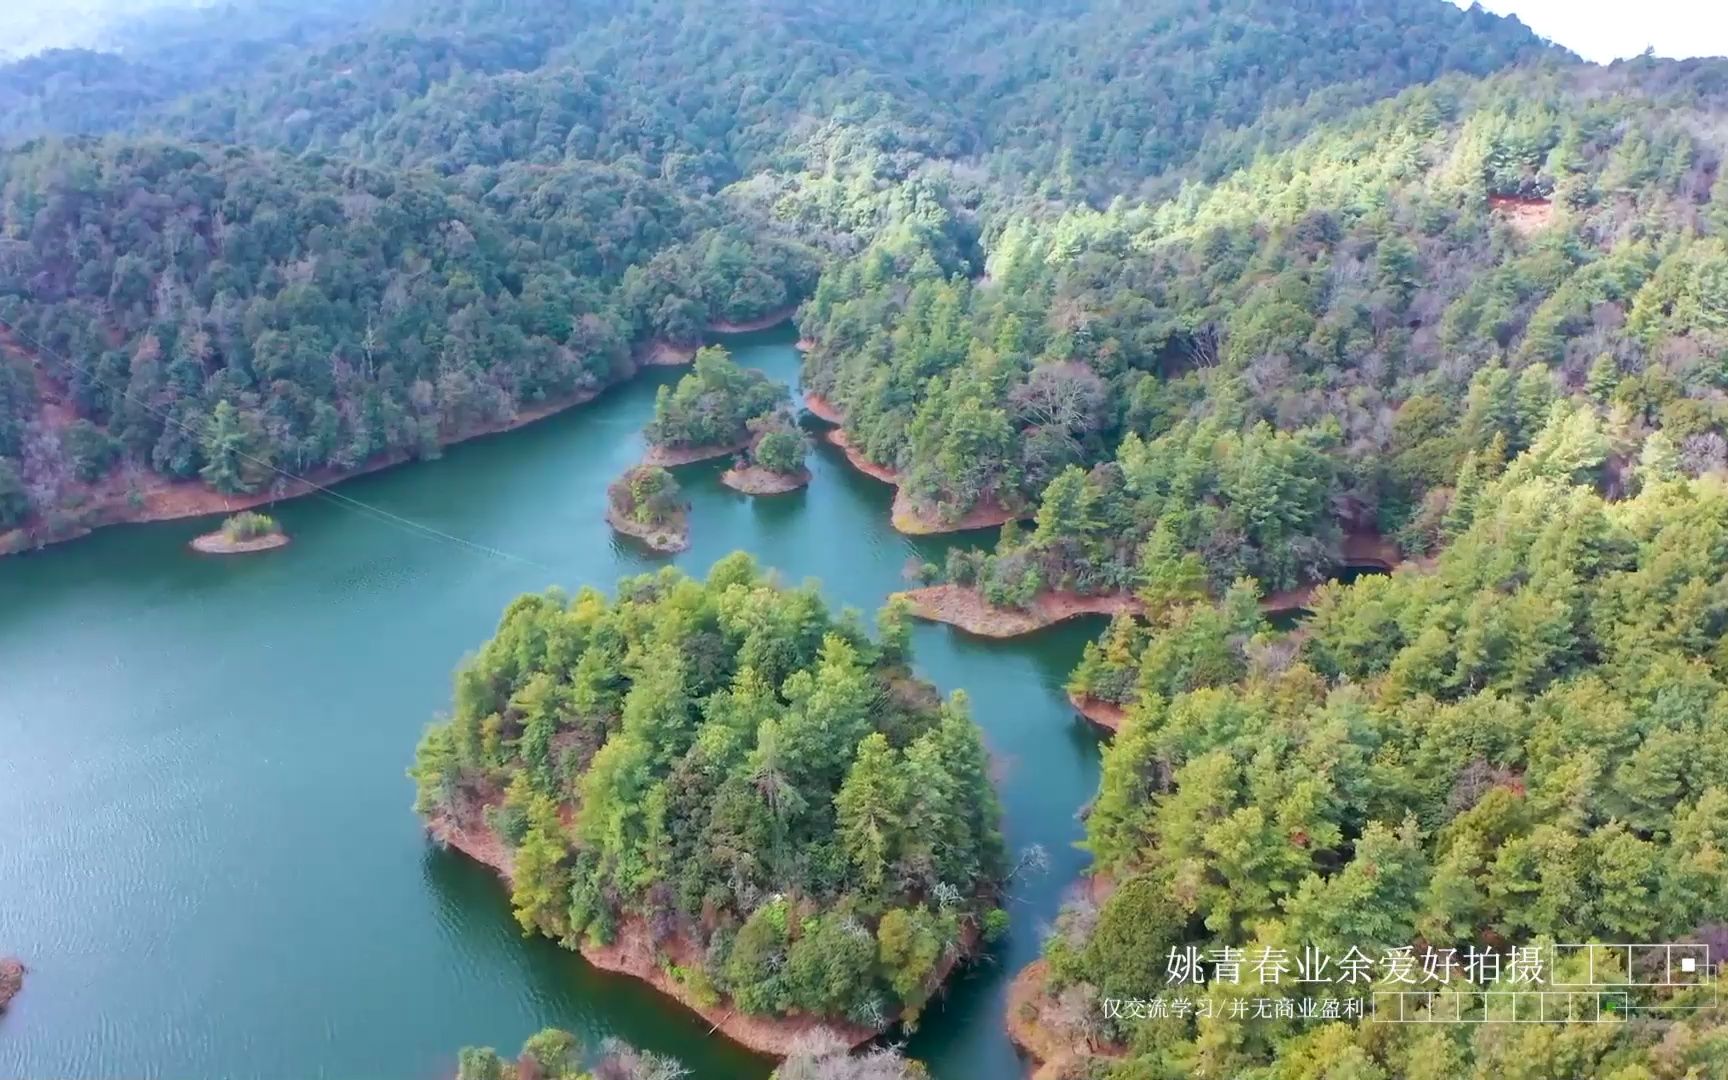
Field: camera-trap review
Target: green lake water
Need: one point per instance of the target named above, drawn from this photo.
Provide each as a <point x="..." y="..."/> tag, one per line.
<point x="207" y="853"/>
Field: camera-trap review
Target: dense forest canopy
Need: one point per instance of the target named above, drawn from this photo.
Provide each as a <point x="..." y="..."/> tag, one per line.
<point x="1203" y="293"/>
<point x="1320" y="342"/>
<point x="320" y="236"/>
<point x="717" y="404"/>
<point x="725" y="765"/>
<point x="1522" y="744"/>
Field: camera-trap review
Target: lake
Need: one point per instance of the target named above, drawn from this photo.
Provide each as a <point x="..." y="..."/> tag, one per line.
<point x="207" y="853"/>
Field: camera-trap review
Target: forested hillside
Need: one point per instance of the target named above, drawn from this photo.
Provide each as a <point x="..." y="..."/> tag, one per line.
<point x="1197" y="296"/>
<point x="232" y="315"/>
<point x="1319" y="342"/>
<point x="1521" y="744"/>
<point x="323" y="237"/>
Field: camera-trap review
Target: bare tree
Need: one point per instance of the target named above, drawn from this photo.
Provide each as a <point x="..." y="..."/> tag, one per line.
<point x="821" y="1056"/>
<point x="621" y="1061"/>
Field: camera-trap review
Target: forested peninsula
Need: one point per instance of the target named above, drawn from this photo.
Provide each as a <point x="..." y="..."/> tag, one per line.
<point x="722" y="789"/>
<point x="1520" y="743"/>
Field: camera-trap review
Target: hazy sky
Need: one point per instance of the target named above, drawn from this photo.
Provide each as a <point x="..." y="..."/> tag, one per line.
<point x="1602" y="30"/>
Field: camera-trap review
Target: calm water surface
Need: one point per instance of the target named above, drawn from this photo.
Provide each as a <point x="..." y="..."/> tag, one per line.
<point x="207" y="853"/>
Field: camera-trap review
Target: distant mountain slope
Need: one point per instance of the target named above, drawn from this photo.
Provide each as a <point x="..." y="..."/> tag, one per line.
<point x="1403" y="294"/>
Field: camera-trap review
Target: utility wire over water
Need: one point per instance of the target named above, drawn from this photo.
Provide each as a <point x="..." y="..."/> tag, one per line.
<point x="222" y="863"/>
<point x="292" y="478"/>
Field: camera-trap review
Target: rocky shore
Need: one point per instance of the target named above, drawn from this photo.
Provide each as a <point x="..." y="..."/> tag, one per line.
<point x="668" y="539"/>
<point x="12" y="973"/>
<point x="633" y="952"/>
<point x="755" y="480"/>
<point x="217" y="543"/>
<point x="964" y="607"/>
<point x="1104" y="714"/>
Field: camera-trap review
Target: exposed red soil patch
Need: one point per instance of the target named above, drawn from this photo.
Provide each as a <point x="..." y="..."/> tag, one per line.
<point x="465" y="830"/>
<point x="661" y="353"/>
<point x="1105" y="714"/>
<point x="11" y="980"/>
<point x="913" y="520"/>
<point x="1371" y="549"/>
<point x="965" y="608"/>
<point x="669" y="456"/>
<point x="857" y="460"/>
<point x="1525" y="215"/>
<point x="755" y="480"/>
<point x="1359" y="550"/>
<point x="1287" y="600"/>
<point x="1058" y="1056"/>
<point x="907" y="517"/>
<point x="823" y="409"/>
<point x="633" y="951"/>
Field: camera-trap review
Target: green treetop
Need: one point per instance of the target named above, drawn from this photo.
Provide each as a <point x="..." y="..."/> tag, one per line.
<point x="727" y="761"/>
<point x="714" y="404"/>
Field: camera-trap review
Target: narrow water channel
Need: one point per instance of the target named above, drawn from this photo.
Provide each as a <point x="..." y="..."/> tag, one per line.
<point x="207" y="855"/>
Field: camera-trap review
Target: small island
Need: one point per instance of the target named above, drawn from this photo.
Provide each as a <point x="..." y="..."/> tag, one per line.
<point x="774" y="464"/>
<point x="243" y="534"/>
<point x="646" y="503"/>
<point x="725" y="790"/>
<point x="11" y="980"/>
<point x="710" y="412"/>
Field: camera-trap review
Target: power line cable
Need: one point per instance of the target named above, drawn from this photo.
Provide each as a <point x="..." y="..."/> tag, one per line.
<point x="356" y="505"/>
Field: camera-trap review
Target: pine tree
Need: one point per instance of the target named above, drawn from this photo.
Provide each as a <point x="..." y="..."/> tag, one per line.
<point x="872" y="805"/>
<point x="1170" y="575"/>
<point x="1465" y="494"/>
<point x="227" y="448"/>
<point x="553" y="1054"/>
<point x="1067" y="512"/>
<point x="1603" y="378"/>
<point x="1659" y="461"/>
<point x="541" y="888"/>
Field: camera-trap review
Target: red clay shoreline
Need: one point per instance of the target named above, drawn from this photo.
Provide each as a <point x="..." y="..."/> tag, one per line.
<point x="1104" y="714"/>
<point x="634" y="953"/>
<point x="1054" y="1057"/>
<point x="964" y="607"/>
<point x="755" y="480"/>
<point x="821" y="408"/>
<point x="671" y="456"/>
<point x="162" y="499"/>
<point x="907" y="518"/>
